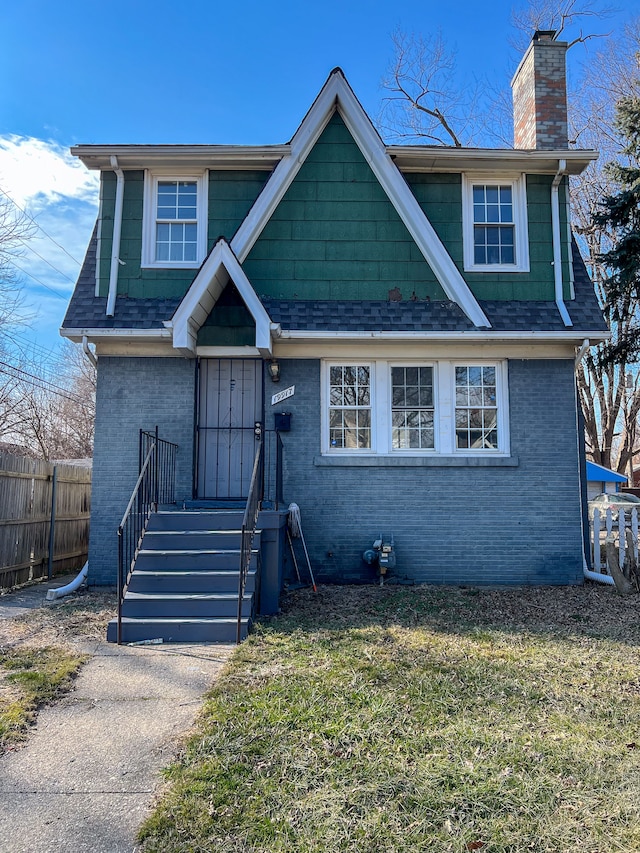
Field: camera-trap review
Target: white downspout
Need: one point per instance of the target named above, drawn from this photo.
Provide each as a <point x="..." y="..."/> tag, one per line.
<point x="557" y="245"/>
<point x="115" y="245"/>
<point x="90" y="355"/>
<point x="61" y="591"/>
<point x="583" y="348"/>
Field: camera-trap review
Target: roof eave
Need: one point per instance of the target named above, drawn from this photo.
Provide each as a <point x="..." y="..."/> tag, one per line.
<point x="471" y="335"/>
<point x="181" y="156"/>
<point x="420" y="158"/>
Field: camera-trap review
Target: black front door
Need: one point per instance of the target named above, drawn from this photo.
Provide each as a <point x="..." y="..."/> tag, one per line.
<point x="229" y="406"/>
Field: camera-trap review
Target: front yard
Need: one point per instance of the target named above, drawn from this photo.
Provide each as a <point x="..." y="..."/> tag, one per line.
<point x="403" y="719"/>
<point x="40" y="654"/>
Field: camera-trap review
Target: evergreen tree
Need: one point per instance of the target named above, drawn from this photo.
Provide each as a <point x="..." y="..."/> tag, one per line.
<point x="621" y="213"/>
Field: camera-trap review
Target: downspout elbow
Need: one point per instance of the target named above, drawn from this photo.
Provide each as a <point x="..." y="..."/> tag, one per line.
<point x="115" y="246"/>
<point x="87" y="351"/>
<point x="557" y="246"/>
<point x="583" y="348"/>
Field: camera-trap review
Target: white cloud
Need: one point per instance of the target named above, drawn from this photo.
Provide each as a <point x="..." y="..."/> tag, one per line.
<point x="36" y="172"/>
<point x="61" y="195"/>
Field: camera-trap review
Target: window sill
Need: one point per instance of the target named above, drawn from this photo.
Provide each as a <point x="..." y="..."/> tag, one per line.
<point x="500" y="268"/>
<point x="416" y="461"/>
<point x="167" y="265"/>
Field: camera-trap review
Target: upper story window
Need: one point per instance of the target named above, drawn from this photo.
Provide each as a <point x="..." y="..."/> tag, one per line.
<point x="174" y="221"/>
<point x="494" y="216"/>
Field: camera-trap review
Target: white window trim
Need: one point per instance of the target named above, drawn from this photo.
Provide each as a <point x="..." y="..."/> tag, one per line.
<point x="151" y="179"/>
<point x="518" y="184"/>
<point x="444" y="407"/>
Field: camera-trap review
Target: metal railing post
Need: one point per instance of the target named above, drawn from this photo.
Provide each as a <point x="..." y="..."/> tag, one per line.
<point x="120" y="567"/>
<point x="155" y="469"/>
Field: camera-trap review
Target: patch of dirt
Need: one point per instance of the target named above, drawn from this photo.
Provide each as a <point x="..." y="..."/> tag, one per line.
<point x="589" y="610"/>
<point x="70" y="622"/>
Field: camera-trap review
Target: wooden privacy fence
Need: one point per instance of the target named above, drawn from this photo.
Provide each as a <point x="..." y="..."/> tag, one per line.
<point x="44" y="518"/>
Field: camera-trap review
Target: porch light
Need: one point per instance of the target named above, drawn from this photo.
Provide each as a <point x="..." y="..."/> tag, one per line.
<point x="274" y="370"/>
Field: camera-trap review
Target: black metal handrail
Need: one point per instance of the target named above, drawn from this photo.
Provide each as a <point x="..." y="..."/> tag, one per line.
<point x="155" y="485"/>
<point x="249" y="524"/>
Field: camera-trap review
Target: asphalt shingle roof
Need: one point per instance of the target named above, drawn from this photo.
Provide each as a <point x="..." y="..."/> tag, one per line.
<point x="87" y="311"/>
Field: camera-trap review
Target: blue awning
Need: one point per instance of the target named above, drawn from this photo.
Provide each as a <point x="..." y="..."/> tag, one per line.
<point x="603" y="475"/>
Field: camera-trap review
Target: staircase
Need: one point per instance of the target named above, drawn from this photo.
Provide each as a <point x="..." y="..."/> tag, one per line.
<point x="184" y="587"/>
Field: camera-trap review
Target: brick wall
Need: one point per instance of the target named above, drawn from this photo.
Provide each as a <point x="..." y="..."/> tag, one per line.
<point x="463" y="525"/>
<point x="134" y="394"/>
<point x="518" y="524"/>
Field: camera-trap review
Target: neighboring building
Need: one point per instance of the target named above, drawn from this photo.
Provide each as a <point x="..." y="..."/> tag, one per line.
<point x="601" y="480"/>
<point x="426" y="305"/>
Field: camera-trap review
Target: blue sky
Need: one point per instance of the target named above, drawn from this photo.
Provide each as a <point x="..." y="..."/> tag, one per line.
<point x="199" y="72"/>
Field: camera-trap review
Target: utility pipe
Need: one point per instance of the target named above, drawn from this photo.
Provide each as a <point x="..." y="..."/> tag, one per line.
<point x="557" y="246"/>
<point x="52" y="594"/>
<point x="115" y="246"/>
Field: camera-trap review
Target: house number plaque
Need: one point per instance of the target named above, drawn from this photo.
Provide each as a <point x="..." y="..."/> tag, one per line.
<point x="283" y="395"/>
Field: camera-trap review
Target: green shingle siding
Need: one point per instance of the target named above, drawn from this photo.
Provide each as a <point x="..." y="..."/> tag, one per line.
<point x="440" y="196"/>
<point x="335" y="234"/>
<point x="231" y="195"/>
<point x="343" y="235"/>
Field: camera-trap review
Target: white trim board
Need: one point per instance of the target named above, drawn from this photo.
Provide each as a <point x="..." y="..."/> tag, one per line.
<point x="336" y="94"/>
<point x="213" y="276"/>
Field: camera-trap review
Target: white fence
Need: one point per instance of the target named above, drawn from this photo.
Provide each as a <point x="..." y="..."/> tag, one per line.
<point x="614" y="545"/>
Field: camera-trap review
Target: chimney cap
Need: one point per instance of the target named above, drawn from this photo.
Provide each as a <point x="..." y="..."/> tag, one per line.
<point x="545" y="35"/>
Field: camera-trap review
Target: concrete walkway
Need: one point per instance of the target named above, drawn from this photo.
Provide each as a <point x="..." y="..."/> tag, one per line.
<point x="86" y="778"/>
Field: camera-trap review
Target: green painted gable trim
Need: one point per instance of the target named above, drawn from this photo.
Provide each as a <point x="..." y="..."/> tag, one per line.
<point x="336" y="235"/>
<point x="230" y="322"/>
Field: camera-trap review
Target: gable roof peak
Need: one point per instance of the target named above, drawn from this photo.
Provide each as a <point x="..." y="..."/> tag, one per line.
<point x="337" y="94"/>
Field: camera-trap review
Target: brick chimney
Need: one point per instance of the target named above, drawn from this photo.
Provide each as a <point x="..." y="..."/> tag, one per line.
<point x="539" y="89"/>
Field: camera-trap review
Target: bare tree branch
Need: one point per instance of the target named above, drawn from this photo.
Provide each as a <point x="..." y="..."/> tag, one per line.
<point x="424" y="102"/>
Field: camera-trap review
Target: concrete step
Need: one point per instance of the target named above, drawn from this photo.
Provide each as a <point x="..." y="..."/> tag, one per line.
<point x="196" y="520"/>
<point x="194" y="560"/>
<point x="189" y="581"/>
<point x="184" y="605"/>
<point x="211" y="630"/>
<point x="194" y="540"/>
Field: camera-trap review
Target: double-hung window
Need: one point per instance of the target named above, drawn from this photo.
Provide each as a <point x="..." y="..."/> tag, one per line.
<point x="476" y="407"/>
<point x="412" y="410"/>
<point x="494" y="217"/>
<point x="350" y="407"/>
<point x="174" y="221"/>
<point x="439" y="408"/>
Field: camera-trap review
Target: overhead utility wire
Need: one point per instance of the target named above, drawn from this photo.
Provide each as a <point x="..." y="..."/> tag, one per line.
<point x="37" y="381"/>
<point x="35" y="278"/>
<point x="37" y="224"/>
<point x="63" y="274"/>
<point x="25" y="343"/>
